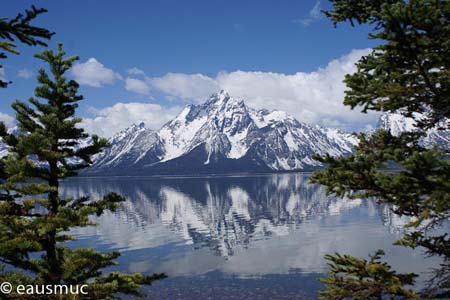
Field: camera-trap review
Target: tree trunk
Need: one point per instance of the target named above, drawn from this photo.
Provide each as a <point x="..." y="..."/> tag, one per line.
<point x="54" y="265"/>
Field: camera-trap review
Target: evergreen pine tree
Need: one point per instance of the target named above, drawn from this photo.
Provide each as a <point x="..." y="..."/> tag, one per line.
<point x="408" y="73"/>
<point x="20" y="28"/>
<point x="34" y="218"/>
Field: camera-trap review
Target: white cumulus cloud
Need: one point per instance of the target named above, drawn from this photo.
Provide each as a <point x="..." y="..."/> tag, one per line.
<point x="312" y="97"/>
<point x="24" y="73"/>
<point x="110" y="120"/>
<point x="313" y="15"/>
<point x="135" y="71"/>
<point x="137" y="86"/>
<point x="188" y="86"/>
<point x="3" y="74"/>
<point x="93" y="73"/>
<point x="8" y="120"/>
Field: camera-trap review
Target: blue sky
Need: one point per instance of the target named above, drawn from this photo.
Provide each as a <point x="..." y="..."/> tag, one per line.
<point x="274" y="54"/>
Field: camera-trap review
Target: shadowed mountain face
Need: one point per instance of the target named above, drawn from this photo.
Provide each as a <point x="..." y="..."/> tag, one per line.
<point x="246" y="226"/>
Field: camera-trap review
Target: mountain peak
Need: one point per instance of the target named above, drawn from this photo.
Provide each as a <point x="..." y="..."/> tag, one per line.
<point x="133" y="128"/>
<point x="221" y="96"/>
<point x="223" y="101"/>
<point x="222" y="93"/>
<point x="136" y="126"/>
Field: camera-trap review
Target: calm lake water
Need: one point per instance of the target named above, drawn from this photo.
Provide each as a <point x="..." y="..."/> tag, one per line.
<point x="237" y="237"/>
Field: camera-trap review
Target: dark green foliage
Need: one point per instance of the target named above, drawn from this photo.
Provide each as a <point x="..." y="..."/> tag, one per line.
<point x="410" y="69"/>
<point x="34" y="218"/>
<point x="20" y="28"/>
<point x="419" y="188"/>
<point x="359" y="279"/>
<point x="409" y="73"/>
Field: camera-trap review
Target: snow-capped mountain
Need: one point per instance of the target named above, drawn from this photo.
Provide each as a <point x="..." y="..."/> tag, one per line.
<point x="222" y="135"/>
<point x="134" y="145"/>
<point x="3" y="147"/>
<point x="396" y="124"/>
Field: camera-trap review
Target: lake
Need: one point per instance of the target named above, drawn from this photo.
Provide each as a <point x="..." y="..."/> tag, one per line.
<point x="236" y="237"/>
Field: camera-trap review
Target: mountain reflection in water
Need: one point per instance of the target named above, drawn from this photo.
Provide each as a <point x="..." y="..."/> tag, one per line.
<point x="245" y="226"/>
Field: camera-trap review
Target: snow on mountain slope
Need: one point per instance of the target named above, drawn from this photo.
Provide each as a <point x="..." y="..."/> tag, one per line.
<point x="396" y="124"/>
<point x="345" y="140"/>
<point x="288" y="144"/>
<point x="178" y="133"/>
<point x="134" y="145"/>
<point x="226" y="128"/>
<point x="3" y="147"/>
